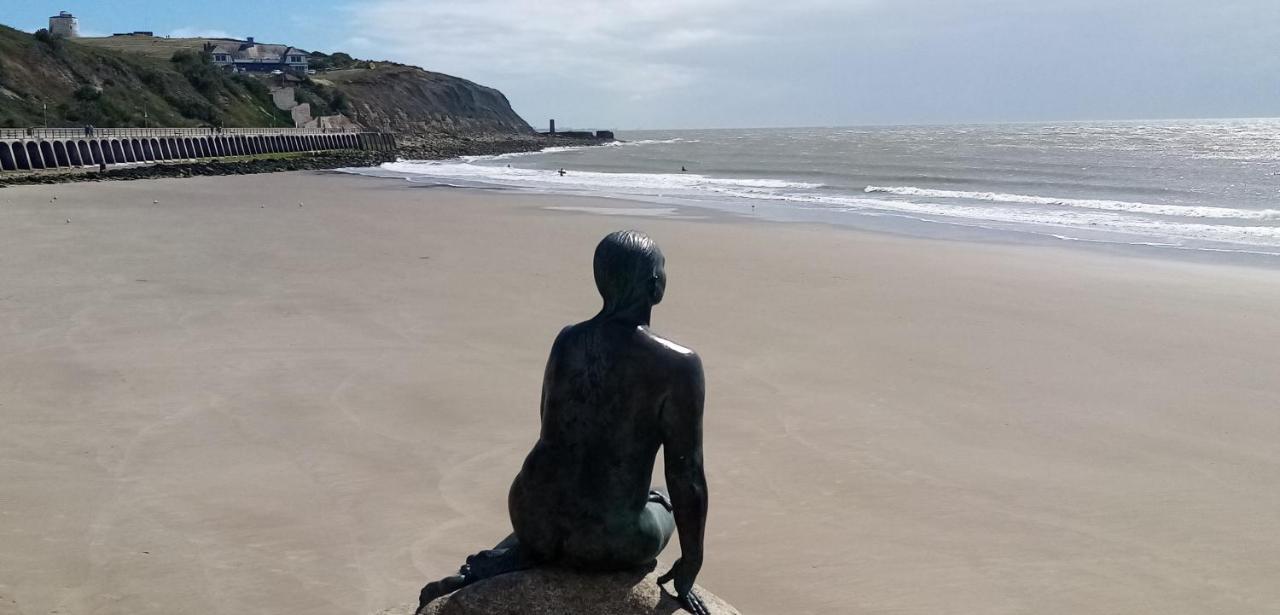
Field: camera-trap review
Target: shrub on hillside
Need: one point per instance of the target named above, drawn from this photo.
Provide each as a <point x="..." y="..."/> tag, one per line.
<point x="87" y="93"/>
<point x="337" y="61"/>
<point x="324" y="100"/>
<point x="255" y="87"/>
<point x="195" y="109"/>
<point x="155" y="80"/>
<point x="199" y="70"/>
<point x="100" y="108"/>
<point x="51" y="41"/>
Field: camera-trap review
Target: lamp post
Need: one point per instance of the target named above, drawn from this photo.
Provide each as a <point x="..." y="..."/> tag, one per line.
<point x="46" y="115"/>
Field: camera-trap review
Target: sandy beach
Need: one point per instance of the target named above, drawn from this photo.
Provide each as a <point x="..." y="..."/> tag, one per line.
<point x="226" y="402"/>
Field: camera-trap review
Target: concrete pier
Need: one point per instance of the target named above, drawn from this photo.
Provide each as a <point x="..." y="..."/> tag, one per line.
<point x="59" y="148"/>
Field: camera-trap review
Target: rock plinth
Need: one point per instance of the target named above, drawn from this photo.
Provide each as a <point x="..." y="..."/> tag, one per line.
<point x="562" y="592"/>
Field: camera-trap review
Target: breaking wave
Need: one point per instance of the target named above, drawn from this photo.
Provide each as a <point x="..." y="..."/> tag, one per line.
<point x="1003" y="211"/>
<point x="1180" y="211"/>
<point x="559" y="149"/>
<point x="655" y="184"/>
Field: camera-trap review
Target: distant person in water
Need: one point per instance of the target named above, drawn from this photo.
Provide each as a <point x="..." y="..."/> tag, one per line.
<point x="561" y="171"/>
<point x="613" y="393"/>
<point x="683" y="170"/>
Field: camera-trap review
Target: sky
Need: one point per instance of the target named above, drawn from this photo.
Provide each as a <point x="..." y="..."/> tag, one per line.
<point x="630" y="64"/>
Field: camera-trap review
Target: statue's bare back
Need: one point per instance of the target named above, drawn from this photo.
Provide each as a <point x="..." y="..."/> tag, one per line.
<point x="612" y="395"/>
<point x="614" y="392"/>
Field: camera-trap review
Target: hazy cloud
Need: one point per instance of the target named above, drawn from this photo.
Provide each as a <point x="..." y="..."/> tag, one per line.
<point x="755" y="62"/>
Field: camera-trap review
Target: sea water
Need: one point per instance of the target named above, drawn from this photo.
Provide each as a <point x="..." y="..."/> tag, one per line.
<point x="1199" y="185"/>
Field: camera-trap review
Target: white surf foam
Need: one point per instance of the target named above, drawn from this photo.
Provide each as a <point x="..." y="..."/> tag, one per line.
<point x="1181" y="211"/>
<point x="1133" y="220"/>
<point x="1093" y="221"/>
<point x="638" y="183"/>
<point x="559" y="149"/>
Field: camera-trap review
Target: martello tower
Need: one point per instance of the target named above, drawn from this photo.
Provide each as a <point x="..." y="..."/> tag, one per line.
<point x="64" y="24"/>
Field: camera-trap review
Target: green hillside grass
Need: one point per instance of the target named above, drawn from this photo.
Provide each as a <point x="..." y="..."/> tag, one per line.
<point x="83" y="84"/>
<point x="114" y="81"/>
<point x="155" y="47"/>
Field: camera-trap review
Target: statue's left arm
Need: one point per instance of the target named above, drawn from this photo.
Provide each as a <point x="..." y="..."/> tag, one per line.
<point x="686" y="479"/>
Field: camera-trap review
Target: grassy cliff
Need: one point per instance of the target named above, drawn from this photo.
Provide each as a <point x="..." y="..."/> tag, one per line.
<point x="79" y="84"/>
<point x="138" y="81"/>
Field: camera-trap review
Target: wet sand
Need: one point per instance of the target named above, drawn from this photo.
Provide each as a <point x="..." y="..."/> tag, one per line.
<point x="227" y="403"/>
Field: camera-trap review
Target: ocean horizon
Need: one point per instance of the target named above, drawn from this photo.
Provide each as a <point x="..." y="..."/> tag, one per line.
<point x="1168" y="186"/>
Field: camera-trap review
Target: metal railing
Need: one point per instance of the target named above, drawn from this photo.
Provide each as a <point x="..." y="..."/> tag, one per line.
<point x="73" y="133"/>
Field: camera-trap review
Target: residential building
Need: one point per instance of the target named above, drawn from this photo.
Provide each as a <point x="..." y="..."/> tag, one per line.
<point x="251" y="56"/>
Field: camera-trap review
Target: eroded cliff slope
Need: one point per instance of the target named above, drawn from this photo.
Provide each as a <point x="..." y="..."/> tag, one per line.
<point x="409" y="99"/>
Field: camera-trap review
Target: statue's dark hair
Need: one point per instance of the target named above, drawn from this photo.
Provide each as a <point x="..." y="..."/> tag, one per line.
<point x="625" y="263"/>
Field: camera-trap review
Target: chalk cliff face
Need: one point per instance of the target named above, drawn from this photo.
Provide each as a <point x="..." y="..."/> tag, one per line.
<point x="410" y="99"/>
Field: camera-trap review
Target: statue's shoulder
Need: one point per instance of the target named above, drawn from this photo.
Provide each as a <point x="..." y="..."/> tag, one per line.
<point x="671" y="348"/>
<point x="566" y="331"/>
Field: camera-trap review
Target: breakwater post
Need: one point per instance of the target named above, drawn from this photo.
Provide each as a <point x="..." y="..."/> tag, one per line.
<point x="67" y="148"/>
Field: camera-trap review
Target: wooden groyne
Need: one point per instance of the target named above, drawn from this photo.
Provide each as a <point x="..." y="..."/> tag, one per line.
<point x="63" y="148"/>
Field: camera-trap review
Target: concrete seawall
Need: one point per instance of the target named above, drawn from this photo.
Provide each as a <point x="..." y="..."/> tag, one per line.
<point x="62" y="149"/>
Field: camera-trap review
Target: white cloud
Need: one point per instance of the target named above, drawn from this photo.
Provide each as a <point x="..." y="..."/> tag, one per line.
<point x="200" y="33"/>
<point x="765" y="62"/>
<point x="631" y="47"/>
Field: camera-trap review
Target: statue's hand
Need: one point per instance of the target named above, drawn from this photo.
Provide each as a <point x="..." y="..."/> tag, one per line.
<point x="660" y="497"/>
<point x="684" y="573"/>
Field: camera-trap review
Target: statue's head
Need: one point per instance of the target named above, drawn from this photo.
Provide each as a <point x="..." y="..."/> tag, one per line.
<point x="629" y="271"/>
